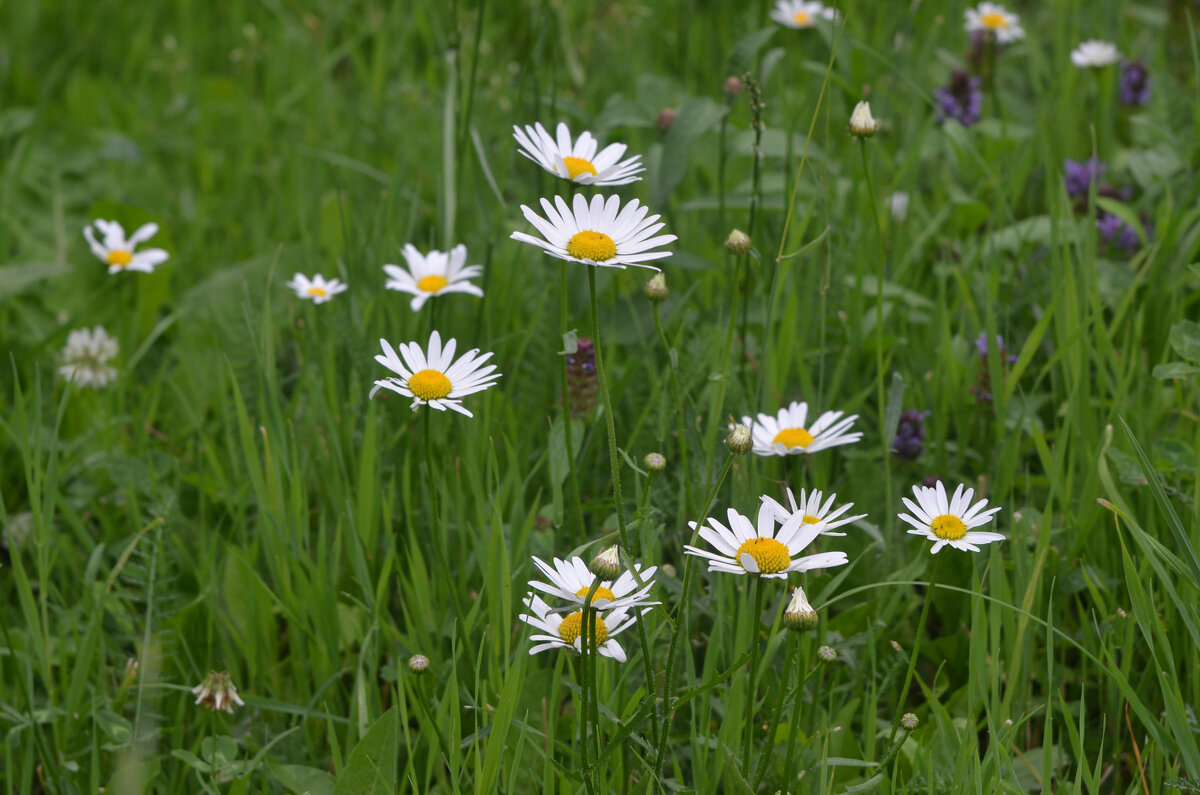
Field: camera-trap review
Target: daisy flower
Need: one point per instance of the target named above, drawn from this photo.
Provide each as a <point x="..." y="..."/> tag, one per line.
<point x="993" y="18"/>
<point x="788" y="434"/>
<point x="743" y="549"/>
<point x="434" y="378"/>
<point x="1095" y="53"/>
<point x="118" y="250"/>
<point x="571" y="580"/>
<point x="579" y="162"/>
<point x="800" y="15"/>
<point x="812" y="510"/>
<point x="601" y="233"/>
<point x="317" y="289"/>
<point x="435" y="273"/>
<point x="949" y="521"/>
<point x="86" y="357"/>
<point x="565" y="632"/>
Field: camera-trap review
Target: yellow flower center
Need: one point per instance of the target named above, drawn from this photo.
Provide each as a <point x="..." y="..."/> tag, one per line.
<point x="812" y="519"/>
<point x="319" y="292"/>
<point x="802" y="18"/>
<point x="994" y="20"/>
<point x="429" y="384"/>
<point x="120" y="257"/>
<point x="770" y="555"/>
<point x="572" y="627"/>
<point x="594" y="246"/>
<point x="601" y="593"/>
<point x="948" y="527"/>
<point x="577" y="166"/>
<point x="431" y="284"/>
<point x="793" y="437"/>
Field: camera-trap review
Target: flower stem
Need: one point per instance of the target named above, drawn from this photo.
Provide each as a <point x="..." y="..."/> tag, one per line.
<point x="439" y="538"/>
<point x="773" y="721"/>
<point x="680" y="421"/>
<point x="912" y="662"/>
<point x="576" y="513"/>
<point x="794" y="727"/>
<point x="755" y="618"/>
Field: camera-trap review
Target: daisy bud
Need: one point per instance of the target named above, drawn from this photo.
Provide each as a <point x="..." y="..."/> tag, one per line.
<point x="739" y="440"/>
<point x="908" y="721"/>
<point x="862" y="123"/>
<point x="733" y="86"/>
<point x="217" y="691"/>
<point x="738" y="242"/>
<point x="826" y="654"/>
<point x="656" y="288"/>
<point x="800" y="616"/>
<point x="665" y="118"/>
<point x="655" y="462"/>
<point x="418" y="664"/>
<point x="606" y="565"/>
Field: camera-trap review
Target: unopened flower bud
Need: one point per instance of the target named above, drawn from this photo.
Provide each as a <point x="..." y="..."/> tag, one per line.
<point x="733" y="86"/>
<point x="908" y="721"/>
<point x="826" y="654"/>
<point x="606" y="565"/>
<point x="418" y="664"/>
<point x="800" y="616"/>
<point x="656" y="288"/>
<point x="665" y="118"/>
<point x="739" y="441"/>
<point x="862" y="123"/>
<point x="738" y="242"/>
<point x="655" y="462"/>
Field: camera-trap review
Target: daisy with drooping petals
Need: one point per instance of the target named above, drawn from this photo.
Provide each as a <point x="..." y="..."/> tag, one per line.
<point x="572" y="580"/>
<point x="600" y="233"/>
<point x="1095" y="53"/>
<point x="436" y="273"/>
<point x="813" y="510"/>
<point x="994" y="19"/>
<point x="949" y="521"/>
<point x="788" y="434"/>
<point x="433" y="378"/>
<point x="744" y="549"/>
<point x="86" y="358"/>
<point x="799" y="15"/>
<point x="577" y="162"/>
<point x="317" y="289"/>
<point x="565" y="632"/>
<point x="118" y="251"/>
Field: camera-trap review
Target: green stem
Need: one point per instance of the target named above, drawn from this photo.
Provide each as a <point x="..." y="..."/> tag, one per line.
<point x="755" y="618"/>
<point x="680" y="421"/>
<point x="439" y="537"/>
<point x="794" y="726"/>
<point x="587" y="663"/>
<point x="912" y="662"/>
<point x="576" y="515"/>
<point x="773" y="721"/>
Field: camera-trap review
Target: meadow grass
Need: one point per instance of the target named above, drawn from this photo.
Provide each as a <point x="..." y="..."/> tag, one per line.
<point x="235" y="502"/>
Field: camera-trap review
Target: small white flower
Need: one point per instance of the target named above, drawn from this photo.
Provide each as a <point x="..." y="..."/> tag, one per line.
<point x="118" y="251"/>
<point x="788" y="434"/>
<point x="993" y="18"/>
<point x="571" y="580"/>
<point x="898" y="204"/>
<point x="217" y="692"/>
<point x="433" y="378"/>
<point x="1095" y="53"/>
<point x="577" y="162"/>
<point x="565" y="632"/>
<point x="600" y="233"/>
<point x="86" y="357"/>
<point x="812" y="510"/>
<point x="317" y="289"/>
<point x="744" y="549"/>
<point x="435" y="273"/>
<point x="862" y="123"/>
<point x="949" y="521"/>
<point x="799" y="15"/>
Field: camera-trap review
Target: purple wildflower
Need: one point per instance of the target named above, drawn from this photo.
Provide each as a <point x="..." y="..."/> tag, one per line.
<point x="1135" y="83"/>
<point x="582" y="381"/>
<point x="909" y="443"/>
<point x="961" y="99"/>
<point x="981" y="346"/>
<point x="1080" y="174"/>
<point x="1115" y="232"/>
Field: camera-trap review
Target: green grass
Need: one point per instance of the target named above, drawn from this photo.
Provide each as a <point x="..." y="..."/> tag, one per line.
<point x="235" y="502"/>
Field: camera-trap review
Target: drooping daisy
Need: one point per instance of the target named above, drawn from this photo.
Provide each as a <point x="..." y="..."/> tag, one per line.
<point x="435" y="273"/>
<point x="86" y="358"/>
<point x="1095" y="53"/>
<point x="744" y="549"/>
<point x="571" y="580"/>
<point x="577" y="162"/>
<point x="565" y="632"/>
<point x="812" y="510"/>
<point x="118" y="250"/>
<point x="433" y="378"/>
<point x="800" y="15"/>
<point x="601" y="233"/>
<point x="317" y="289"/>
<point x="788" y="434"/>
<point x="949" y="521"/>
<point x="994" y="19"/>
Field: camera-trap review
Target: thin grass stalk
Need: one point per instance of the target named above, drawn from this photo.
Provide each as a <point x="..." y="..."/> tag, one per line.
<point x="576" y="509"/>
<point x="439" y="537"/>
<point x="912" y="661"/>
<point x="677" y="398"/>
<point x="773" y="721"/>
<point x="748" y="728"/>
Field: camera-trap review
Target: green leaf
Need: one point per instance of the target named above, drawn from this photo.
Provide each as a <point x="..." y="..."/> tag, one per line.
<point x="741" y="58"/>
<point x="15" y="279"/>
<point x="1185" y="339"/>
<point x="371" y="769"/>
<point x="696" y="117"/>
<point x="302" y="779"/>
<point x="1174" y="370"/>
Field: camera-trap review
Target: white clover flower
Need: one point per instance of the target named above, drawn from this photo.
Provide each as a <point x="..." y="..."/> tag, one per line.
<point x="565" y="632"/>
<point x="317" y="289"/>
<point x="577" y="162"/>
<point x="86" y="358"/>
<point x="572" y="579"/>
<point x="744" y="549"/>
<point x="800" y="15"/>
<point x="1095" y="53"/>
<point x="949" y="521"/>
<point x="994" y="19"/>
<point x="435" y="273"/>
<point x="788" y="434"/>
<point x="432" y="377"/>
<point x="119" y="252"/>
<point x="600" y="232"/>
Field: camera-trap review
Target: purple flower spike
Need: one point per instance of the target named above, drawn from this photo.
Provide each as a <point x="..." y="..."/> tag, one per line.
<point x="1135" y="83"/>
<point x="961" y="99"/>
<point x="1080" y="174"/>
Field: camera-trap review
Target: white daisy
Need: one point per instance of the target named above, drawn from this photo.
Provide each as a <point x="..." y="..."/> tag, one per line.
<point x="577" y="162"/>
<point x="1095" y="53"/>
<point x="993" y="18"/>
<point x="800" y="15"/>
<point x="813" y="510"/>
<point x="571" y="580"/>
<point x="118" y="250"/>
<point x="564" y="632"/>
<point x="788" y="434"/>
<point x="86" y="356"/>
<point x="601" y="233"/>
<point x="435" y="379"/>
<point x="317" y="289"/>
<point x="744" y="549"/>
<point x="949" y="521"/>
<point x="435" y="273"/>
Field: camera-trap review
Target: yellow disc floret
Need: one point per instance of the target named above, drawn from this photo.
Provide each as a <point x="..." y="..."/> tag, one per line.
<point x="429" y="384"/>
<point x="431" y="284"/>
<point x="120" y="257"/>
<point x="317" y="292"/>
<point x="994" y="20"/>
<point x="594" y="246"/>
<point x="577" y="166"/>
<point x="802" y="19"/>
<point x="948" y="527"/>
<point x="770" y="555"/>
<point x="572" y="627"/>
<point x="793" y="437"/>
<point x="601" y="593"/>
